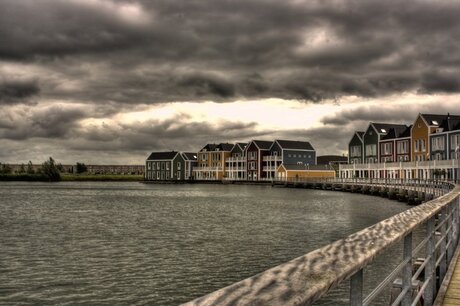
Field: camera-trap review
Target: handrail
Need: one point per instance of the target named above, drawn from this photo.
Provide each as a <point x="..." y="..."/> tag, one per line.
<point x="305" y="279"/>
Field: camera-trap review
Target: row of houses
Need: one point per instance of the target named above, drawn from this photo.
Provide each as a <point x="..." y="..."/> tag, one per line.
<point x="257" y="160"/>
<point x="430" y="137"/>
<point x="431" y="144"/>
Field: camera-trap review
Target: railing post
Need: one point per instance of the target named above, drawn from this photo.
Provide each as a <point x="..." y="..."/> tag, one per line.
<point x="356" y="289"/>
<point x="443" y="251"/>
<point x="430" y="270"/>
<point x="407" y="272"/>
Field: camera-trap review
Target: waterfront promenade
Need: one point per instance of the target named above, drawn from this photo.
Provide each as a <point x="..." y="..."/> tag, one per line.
<point x="306" y="279"/>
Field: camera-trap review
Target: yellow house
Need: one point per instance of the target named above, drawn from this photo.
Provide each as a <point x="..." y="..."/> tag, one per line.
<point x="211" y="161"/>
<point x="424" y="125"/>
<point x="302" y="172"/>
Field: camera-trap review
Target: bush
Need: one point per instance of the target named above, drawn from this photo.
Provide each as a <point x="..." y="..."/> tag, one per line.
<point x="50" y="171"/>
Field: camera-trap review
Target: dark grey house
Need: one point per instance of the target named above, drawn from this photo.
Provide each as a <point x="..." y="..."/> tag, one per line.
<point x="165" y="166"/>
<point x="190" y="159"/>
<point x="288" y="152"/>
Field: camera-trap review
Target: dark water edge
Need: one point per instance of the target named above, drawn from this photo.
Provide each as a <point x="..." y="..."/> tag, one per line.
<point x="127" y="243"/>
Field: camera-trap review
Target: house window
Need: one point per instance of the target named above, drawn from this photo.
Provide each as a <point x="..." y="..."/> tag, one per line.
<point x="178" y="165"/>
<point x="167" y="175"/>
<point x="158" y="175"/>
<point x="178" y="175"/>
<point x="402" y="147"/>
<point x="158" y="165"/>
<point x="455" y="142"/>
<point x="162" y="165"/>
<point x="149" y="166"/>
<point x="153" y="166"/>
<point x="438" y="143"/>
<point x="289" y="155"/>
<point x="371" y="149"/>
<point x="167" y="166"/>
<point x="387" y="148"/>
<point x="355" y="151"/>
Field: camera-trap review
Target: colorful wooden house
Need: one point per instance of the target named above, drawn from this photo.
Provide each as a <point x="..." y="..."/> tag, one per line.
<point x="395" y="145"/>
<point x="235" y="165"/>
<point x="190" y="162"/>
<point x="445" y="141"/>
<point x="165" y="166"/>
<point x="373" y="136"/>
<point x="356" y="148"/>
<point x="211" y="161"/>
<point x="255" y="151"/>
<point x="287" y="152"/>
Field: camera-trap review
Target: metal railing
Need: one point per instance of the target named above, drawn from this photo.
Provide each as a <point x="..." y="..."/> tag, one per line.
<point x="305" y="279"/>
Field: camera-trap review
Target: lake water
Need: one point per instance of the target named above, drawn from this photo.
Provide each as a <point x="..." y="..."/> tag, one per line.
<point x="122" y="243"/>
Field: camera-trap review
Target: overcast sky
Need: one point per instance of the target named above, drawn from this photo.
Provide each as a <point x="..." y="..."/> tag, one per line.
<point x="108" y="81"/>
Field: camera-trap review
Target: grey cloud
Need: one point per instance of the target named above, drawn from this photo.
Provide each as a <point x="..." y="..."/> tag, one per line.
<point x="219" y="50"/>
<point x="50" y="122"/>
<point x="13" y="91"/>
<point x="361" y="116"/>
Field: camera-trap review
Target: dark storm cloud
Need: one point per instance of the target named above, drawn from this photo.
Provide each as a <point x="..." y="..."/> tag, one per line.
<point x="161" y="135"/>
<point x="50" y="122"/>
<point x="172" y="50"/>
<point x="406" y="114"/>
<point x="13" y="91"/>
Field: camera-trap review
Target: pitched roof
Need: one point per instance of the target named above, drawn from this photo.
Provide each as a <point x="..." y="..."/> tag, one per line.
<point x="189" y="155"/>
<point x="384" y="128"/>
<point x="360" y="134"/>
<point x="218" y="147"/>
<point x="162" y="155"/>
<point x="398" y="132"/>
<point x="225" y="146"/>
<point x="242" y="144"/>
<point x="262" y="144"/>
<point x="295" y="145"/>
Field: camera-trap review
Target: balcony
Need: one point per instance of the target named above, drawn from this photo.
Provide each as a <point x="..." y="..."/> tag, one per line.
<point x="273" y="158"/>
<point x="269" y="168"/>
<point x="235" y="159"/>
<point x="207" y="168"/>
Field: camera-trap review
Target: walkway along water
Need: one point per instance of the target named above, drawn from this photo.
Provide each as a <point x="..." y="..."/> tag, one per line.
<point x="305" y="279"/>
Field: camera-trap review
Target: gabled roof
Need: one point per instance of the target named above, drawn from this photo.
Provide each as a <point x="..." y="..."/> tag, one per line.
<point x="162" y="155"/>
<point x="398" y="132"/>
<point x="218" y="147"/>
<point x="384" y="128"/>
<point x="225" y="146"/>
<point x="189" y="156"/>
<point x="360" y="134"/>
<point x="262" y="144"/>
<point x="242" y="145"/>
<point x="434" y="119"/>
<point x="295" y="145"/>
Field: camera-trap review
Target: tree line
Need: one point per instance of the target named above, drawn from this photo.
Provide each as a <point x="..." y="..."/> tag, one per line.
<point x="48" y="171"/>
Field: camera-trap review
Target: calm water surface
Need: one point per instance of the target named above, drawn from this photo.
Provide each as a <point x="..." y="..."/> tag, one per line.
<point x="133" y="244"/>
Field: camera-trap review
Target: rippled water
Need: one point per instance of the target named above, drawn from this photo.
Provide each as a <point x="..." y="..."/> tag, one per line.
<point x="134" y="244"/>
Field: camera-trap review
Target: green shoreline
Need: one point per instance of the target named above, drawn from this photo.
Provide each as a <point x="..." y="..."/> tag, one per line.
<point x="72" y="178"/>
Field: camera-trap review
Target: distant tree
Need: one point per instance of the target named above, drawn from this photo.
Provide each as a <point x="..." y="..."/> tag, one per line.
<point x="22" y="169"/>
<point x="81" y="167"/>
<point x="5" y="169"/>
<point x="50" y="170"/>
<point x="30" y="168"/>
<point x="60" y="167"/>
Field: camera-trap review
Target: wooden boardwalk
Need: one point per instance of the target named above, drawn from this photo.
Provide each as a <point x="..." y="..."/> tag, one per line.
<point x="449" y="293"/>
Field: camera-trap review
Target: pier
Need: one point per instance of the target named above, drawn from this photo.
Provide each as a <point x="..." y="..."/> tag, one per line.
<point x="417" y="278"/>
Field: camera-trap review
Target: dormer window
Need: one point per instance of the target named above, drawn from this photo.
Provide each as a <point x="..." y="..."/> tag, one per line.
<point x="434" y="122"/>
<point x="383" y="130"/>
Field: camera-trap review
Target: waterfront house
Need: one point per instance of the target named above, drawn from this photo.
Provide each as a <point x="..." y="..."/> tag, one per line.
<point x="255" y="151"/>
<point x="302" y="172"/>
<point x="395" y="145"/>
<point x="356" y="148"/>
<point x="444" y="141"/>
<point x="373" y="136"/>
<point x="235" y="164"/>
<point x="190" y="159"/>
<point x="211" y="161"/>
<point x="165" y="166"/>
<point x="287" y="152"/>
